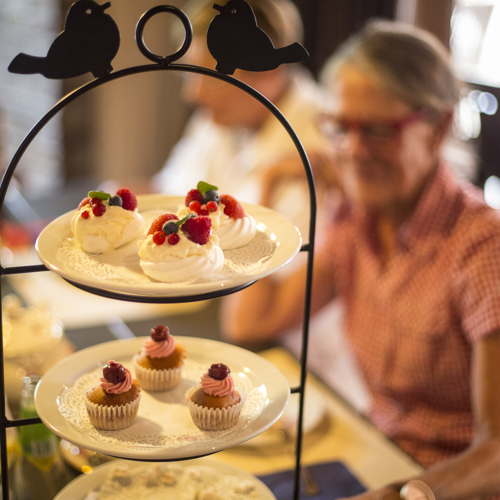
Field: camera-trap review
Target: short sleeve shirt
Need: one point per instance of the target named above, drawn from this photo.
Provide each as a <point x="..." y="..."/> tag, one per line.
<point x="412" y="321"/>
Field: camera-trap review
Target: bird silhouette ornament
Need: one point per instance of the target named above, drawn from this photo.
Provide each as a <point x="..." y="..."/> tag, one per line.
<point x="89" y="43"/>
<point x="235" y="41"/>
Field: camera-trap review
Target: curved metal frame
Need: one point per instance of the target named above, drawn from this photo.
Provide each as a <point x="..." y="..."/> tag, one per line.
<point x="162" y="64"/>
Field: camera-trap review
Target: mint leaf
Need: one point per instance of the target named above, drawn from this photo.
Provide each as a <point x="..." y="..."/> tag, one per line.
<point x="203" y="187"/>
<point x="184" y="219"/>
<point x="99" y="194"/>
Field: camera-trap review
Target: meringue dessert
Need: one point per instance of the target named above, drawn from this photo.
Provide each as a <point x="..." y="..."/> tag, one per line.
<point x="104" y="222"/>
<point x="230" y="223"/>
<point x="180" y="250"/>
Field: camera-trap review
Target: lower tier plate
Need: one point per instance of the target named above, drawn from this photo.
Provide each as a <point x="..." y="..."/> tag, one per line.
<point x="163" y="429"/>
<point x="185" y="480"/>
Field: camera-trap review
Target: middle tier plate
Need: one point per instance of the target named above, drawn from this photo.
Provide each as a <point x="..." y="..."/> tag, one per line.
<point x="163" y="429"/>
<point x="276" y="243"/>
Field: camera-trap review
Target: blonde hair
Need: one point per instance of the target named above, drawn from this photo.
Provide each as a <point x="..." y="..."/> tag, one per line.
<point x="409" y="62"/>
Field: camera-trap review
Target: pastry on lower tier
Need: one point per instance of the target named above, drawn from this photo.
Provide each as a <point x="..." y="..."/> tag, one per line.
<point x="230" y="223"/>
<point x="159" y="364"/>
<point x="215" y="404"/>
<point x="104" y="222"/>
<point x="113" y="404"/>
<point x="180" y="250"/>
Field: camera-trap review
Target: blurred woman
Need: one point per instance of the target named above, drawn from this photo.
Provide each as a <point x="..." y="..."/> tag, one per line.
<point x="414" y="254"/>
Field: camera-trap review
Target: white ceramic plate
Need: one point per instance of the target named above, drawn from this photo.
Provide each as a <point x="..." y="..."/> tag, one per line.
<point x="82" y="485"/>
<point x="163" y="429"/>
<point x="276" y="243"/>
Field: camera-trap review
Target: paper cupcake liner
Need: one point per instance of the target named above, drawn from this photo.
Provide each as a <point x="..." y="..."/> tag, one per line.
<point x="112" y="418"/>
<point x="213" y="419"/>
<point x="157" y="380"/>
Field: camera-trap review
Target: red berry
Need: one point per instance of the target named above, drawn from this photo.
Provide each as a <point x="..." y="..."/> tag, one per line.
<point x="85" y="214"/>
<point x="84" y="202"/>
<point x="173" y="238"/>
<point x="219" y="371"/>
<point x="95" y="201"/>
<point x="160" y="333"/>
<point x="195" y="206"/>
<point x="114" y="372"/>
<point x="98" y="209"/>
<point x="129" y="201"/>
<point x="232" y="206"/>
<point x="159" y="221"/>
<point x="212" y="206"/>
<point x="159" y="237"/>
<point x="194" y="195"/>
<point x="203" y="211"/>
<point x="198" y="229"/>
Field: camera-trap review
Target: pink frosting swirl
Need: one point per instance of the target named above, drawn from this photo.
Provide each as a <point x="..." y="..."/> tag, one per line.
<point x="160" y="349"/>
<point x="218" y="388"/>
<point x="120" y="387"/>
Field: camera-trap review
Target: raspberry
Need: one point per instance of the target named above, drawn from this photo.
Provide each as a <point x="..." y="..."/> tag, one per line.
<point x="129" y="201"/>
<point x="219" y="371"/>
<point x="159" y="238"/>
<point x="159" y="221"/>
<point x="212" y="206"/>
<point x="232" y="206"/>
<point x="194" y="195"/>
<point x="173" y="238"/>
<point x="203" y="211"/>
<point x="198" y="229"/>
<point x="195" y="206"/>
<point x="85" y="214"/>
<point x="84" y="202"/>
<point x="98" y="209"/>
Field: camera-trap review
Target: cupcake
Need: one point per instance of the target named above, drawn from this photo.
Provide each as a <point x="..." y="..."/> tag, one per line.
<point x="113" y="404"/>
<point x="158" y="366"/>
<point x="215" y="404"/>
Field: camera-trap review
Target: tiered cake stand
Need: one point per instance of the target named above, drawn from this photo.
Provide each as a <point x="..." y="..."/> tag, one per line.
<point x="277" y="242"/>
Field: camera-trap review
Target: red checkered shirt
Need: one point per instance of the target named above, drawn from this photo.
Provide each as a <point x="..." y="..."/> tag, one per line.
<point x="412" y="322"/>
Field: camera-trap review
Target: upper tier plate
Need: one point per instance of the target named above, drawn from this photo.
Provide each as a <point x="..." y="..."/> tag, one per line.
<point x="276" y="243"/>
<point x="163" y="429"/>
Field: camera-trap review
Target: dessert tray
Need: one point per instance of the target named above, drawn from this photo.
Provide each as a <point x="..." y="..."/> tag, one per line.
<point x="276" y="243"/>
<point x="129" y="480"/>
<point x="163" y="429"/>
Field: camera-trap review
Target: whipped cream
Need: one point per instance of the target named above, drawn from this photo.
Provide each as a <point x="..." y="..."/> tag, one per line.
<point x="114" y="228"/>
<point x="232" y="233"/>
<point x="182" y="262"/>
<point x="217" y="388"/>
<point x="160" y="349"/>
<point x="120" y="387"/>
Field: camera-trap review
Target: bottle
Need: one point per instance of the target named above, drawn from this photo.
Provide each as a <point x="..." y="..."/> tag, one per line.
<point x="40" y="472"/>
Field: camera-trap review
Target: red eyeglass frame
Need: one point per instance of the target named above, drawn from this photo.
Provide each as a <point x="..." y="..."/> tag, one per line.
<point x="396" y="125"/>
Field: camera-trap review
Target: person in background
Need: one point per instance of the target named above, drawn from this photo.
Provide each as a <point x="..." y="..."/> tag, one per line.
<point x="414" y="254"/>
<point x="232" y="140"/>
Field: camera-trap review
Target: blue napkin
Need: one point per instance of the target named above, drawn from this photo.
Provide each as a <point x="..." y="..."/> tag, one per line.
<point x="333" y="478"/>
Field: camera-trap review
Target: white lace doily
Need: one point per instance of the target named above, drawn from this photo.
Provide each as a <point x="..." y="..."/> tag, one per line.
<point x="174" y="481"/>
<point x="163" y="420"/>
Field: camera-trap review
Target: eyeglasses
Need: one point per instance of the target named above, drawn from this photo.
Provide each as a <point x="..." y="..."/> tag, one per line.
<point x="374" y="134"/>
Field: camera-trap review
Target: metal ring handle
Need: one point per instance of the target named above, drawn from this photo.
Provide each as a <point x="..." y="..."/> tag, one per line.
<point x="188" y="38"/>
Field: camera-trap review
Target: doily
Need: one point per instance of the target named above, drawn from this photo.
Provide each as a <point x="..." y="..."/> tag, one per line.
<point x="174" y="481"/>
<point x="123" y="264"/>
<point x="163" y="420"/>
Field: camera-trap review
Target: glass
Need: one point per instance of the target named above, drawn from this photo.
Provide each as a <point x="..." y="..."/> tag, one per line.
<point x="374" y="134"/>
